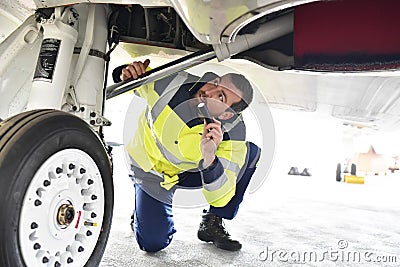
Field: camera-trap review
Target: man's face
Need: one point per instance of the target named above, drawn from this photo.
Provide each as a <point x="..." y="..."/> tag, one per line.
<point x="219" y="94"/>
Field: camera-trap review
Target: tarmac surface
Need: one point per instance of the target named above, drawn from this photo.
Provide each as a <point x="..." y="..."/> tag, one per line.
<point x="299" y="216"/>
<point x="307" y="221"/>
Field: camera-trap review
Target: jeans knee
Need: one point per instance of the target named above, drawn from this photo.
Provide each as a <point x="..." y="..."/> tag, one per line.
<point x="153" y="238"/>
<point x="153" y="244"/>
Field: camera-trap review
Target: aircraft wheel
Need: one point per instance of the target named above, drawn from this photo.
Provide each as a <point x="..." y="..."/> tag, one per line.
<point x="56" y="191"/>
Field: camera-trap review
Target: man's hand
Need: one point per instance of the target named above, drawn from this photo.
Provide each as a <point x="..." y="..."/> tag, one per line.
<point x="134" y="70"/>
<point x="210" y="140"/>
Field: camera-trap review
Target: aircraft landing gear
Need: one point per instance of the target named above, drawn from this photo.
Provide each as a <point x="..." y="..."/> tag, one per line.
<point x="56" y="193"/>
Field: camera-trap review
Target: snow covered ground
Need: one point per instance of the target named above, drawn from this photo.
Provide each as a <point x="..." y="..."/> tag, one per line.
<point x="313" y="221"/>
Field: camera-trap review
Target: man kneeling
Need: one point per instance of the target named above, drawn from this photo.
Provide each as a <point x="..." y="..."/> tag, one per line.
<point x="175" y="147"/>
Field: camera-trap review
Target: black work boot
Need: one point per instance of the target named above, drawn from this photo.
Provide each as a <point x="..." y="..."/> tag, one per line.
<point x="212" y="230"/>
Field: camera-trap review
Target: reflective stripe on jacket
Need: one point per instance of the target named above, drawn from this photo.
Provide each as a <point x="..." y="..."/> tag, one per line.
<point x="166" y="144"/>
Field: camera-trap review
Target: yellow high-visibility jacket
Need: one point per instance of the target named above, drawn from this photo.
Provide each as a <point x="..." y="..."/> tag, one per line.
<point x="168" y="139"/>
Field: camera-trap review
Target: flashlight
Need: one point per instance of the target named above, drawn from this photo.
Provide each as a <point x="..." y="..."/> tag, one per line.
<point x="204" y="112"/>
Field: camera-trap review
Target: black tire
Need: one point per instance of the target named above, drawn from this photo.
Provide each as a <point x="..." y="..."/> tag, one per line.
<point x="27" y="140"/>
<point x="338" y="172"/>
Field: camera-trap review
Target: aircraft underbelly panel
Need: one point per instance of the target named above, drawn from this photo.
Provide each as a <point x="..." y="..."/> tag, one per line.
<point x="369" y="101"/>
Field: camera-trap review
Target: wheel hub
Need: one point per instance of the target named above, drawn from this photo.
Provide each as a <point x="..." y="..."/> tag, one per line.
<point x="66" y="214"/>
<point x="63" y="209"/>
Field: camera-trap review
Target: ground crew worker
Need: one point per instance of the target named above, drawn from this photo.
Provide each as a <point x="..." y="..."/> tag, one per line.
<point x="174" y="147"/>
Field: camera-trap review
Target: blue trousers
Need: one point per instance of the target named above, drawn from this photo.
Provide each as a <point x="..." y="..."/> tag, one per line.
<point x="154" y="223"/>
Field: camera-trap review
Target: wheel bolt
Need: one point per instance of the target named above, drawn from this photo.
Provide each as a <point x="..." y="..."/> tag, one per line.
<point x="82" y="170"/>
<point x="71" y="166"/>
<point x="80" y="249"/>
<point x="93" y="215"/>
<point x="34" y="225"/>
<point x="57" y="264"/>
<point x="88" y="233"/>
<point x="45" y="260"/>
<point x="38" y="202"/>
<point x="94" y="197"/>
<point x="46" y="183"/>
<point x="70" y="260"/>
<point x="58" y="170"/>
<point x="36" y="246"/>
<point x="90" y="181"/>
